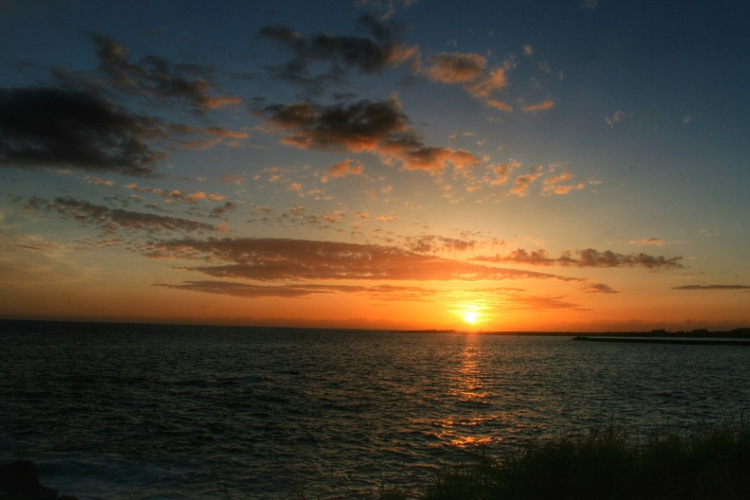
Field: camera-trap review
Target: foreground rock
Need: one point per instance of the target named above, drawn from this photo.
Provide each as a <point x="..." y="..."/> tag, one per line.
<point x="20" y="481"/>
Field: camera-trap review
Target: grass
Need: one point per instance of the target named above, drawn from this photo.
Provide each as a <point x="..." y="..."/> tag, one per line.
<point x="709" y="462"/>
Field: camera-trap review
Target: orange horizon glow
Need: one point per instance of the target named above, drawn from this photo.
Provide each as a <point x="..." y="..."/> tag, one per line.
<point x="510" y="186"/>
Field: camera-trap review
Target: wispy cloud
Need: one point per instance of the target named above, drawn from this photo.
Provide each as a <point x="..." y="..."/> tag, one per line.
<point x="541" y="106"/>
<point x="659" y="242"/>
<point x="439" y="244"/>
<point x="588" y="257"/>
<point x="176" y="195"/>
<point x="157" y="78"/>
<point x="712" y="287"/>
<point x="112" y="219"/>
<point x="246" y="290"/>
<point x="286" y="259"/>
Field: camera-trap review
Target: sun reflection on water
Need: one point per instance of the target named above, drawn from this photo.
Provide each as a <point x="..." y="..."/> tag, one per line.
<point x="470" y="395"/>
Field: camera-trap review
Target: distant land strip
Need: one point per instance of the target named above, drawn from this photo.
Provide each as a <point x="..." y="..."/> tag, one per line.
<point x="651" y="340"/>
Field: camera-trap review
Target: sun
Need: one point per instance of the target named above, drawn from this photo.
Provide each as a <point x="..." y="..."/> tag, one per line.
<point x="471" y="317"/>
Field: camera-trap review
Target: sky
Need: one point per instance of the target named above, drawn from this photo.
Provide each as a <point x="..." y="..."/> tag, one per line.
<point x="518" y="165"/>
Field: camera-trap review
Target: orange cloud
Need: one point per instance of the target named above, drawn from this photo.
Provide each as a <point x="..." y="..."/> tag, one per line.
<point x="346" y="167"/>
<point x="457" y="67"/>
<point x="496" y="80"/>
<point x="542" y="106"/>
<point x="553" y="185"/>
<point x="176" y="195"/>
<point x="659" y="242"/>
<point x="522" y="183"/>
<point x="377" y="127"/>
<point x="502" y="106"/>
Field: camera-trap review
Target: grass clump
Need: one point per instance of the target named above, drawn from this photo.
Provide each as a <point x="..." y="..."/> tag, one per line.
<point x="607" y="464"/>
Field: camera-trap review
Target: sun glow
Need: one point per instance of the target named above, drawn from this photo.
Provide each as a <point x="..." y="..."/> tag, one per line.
<point x="471" y="317"/>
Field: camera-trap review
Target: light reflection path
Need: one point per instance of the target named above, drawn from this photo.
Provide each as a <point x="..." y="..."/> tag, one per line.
<point x="471" y="398"/>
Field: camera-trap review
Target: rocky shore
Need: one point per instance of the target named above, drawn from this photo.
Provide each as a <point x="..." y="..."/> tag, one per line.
<point x="19" y="480"/>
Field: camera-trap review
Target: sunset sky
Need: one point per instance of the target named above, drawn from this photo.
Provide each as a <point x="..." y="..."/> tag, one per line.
<point x="567" y="165"/>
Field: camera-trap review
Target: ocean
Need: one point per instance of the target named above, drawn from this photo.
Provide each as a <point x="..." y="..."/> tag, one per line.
<point x="123" y="411"/>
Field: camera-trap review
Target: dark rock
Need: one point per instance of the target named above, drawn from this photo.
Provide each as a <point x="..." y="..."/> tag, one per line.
<point x="20" y="481"/>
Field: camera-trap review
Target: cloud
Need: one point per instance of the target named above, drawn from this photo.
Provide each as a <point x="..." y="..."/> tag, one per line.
<point x="599" y="288"/>
<point x="266" y="259"/>
<point x="368" y="55"/>
<point x="588" y="257"/>
<point x="500" y="105"/>
<point x="175" y="195"/>
<point x="232" y="179"/>
<point x="456" y="67"/>
<point x="112" y="219"/>
<point x="616" y="117"/>
<point x="554" y="185"/>
<point x="223" y="209"/>
<point x="522" y="183"/>
<point x="346" y="167"/>
<point x="712" y="287"/>
<point x="245" y="290"/>
<point x="60" y="128"/>
<point x="536" y="303"/>
<point x="542" y="106"/>
<point x="155" y="77"/>
<point x="438" y="244"/>
<point x="210" y="137"/>
<point x="659" y="242"/>
<point x="389" y="6"/>
<point x="376" y="127"/>
<point x="496" y="79"/>
<point x="501" y="172"/>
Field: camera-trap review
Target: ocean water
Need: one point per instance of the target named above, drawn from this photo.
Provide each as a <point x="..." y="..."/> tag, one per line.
<point x="112" y="411"/>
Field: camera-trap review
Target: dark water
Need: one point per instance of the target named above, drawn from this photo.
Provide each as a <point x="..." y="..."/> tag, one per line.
<point x="168" y="412"/>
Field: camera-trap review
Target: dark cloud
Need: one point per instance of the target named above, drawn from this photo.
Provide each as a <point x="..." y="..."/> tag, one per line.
<point x="221" y="210"/>
<point x="288" y="259"/>
<point x="588" y="257"/>
<point x="436" y="244"/>
<point x="241" y="289"/>
<point x="158" y="78"/>
<point x="113" y="219"/>
<point x="368" y="55"/>
<point x="599" y="288"/>
<point x="712" y="287"/>
<point x="54" y="127"/>
<point x="235" y="289"/>
<point x="365" y="126"/>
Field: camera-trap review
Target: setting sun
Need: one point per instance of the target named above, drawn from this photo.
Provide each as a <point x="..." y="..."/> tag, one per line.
<point x="471" y="317"/>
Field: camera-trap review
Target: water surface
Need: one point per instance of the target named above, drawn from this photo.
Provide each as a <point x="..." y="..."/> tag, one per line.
<point x="176" y="412"/>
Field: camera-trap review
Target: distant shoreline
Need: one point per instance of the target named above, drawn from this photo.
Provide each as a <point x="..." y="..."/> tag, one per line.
<point x="737" y="333"/>
<point x="740" y="341"/>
